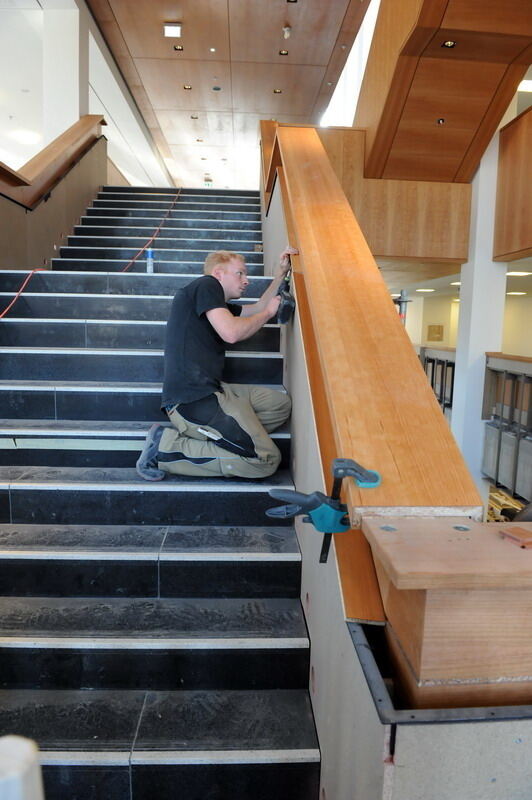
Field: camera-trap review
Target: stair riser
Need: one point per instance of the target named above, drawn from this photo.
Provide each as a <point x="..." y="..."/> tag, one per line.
<point x="164" y="206"/>
<point x="148" y="578"/>
<point x="70" y="506"/>
<point x="90" y="405"/>
<point x="122" y="367"/>
<point x="102" y="335"/>
<point x="184" y="197"/>
<point x="159" y="254"/>
<point x="157" y="214"/>
<point x="184" y="190"/>
<point x="139" y="266"/>
<point x="126" y="232"/>
<point x="162" y="244"/>
<point x="49" y="668"/>
<point x="127" y="283"/>
<point x="86" y="223"/>
<point x="212" y="782"/>
<point x="51" y="455"/>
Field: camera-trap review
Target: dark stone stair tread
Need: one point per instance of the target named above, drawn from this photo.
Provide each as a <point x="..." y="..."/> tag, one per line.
<point x="174" y="541"/>
<point x="140" y="722"/>
<point x="23" y="540"/>
<point x="128" y="478"/>
<point x="150" y="619"/>
<point x="227" y="720"/>
<point x="86" y="719"/>
<point x="89" y="428"/>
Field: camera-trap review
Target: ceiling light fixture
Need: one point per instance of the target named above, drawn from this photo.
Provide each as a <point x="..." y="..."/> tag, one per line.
<point x="449" y="44"/>
<point x="456" y="299"/>
<point x="283" y="52"/>
<point x="455" y="283"/>
<point x="517" y="293"/>
<point x="291" y="1"/>
<point x="187" y="87"/>
<point x="440" y="121"/>
<point x="277" y="91"/>
<point x="525" y="86"/>
<point x="425" y="290"/>
<point x="217" y="88"/>
<point x="212" y="49"/>
<point x="519" y="274"/>
<point x="194" y="116"/>
<point x="199" y="140"/>
<point x="287" y="30"/>
<point x="172" y="29"/>
<point x="178" y="47"/>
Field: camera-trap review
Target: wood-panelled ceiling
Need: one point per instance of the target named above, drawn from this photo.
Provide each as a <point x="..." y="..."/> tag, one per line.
<point x="233" y="45"/>
<point x="431" y="110"/>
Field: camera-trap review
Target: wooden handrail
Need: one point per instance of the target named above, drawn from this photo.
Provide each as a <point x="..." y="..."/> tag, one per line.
<point x="368" y="383"/>
<point x="36" y="178"/>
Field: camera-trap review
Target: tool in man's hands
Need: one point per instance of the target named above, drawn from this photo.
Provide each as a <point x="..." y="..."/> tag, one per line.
<point x="327" y="514"/>
<point x="288" y="304"/>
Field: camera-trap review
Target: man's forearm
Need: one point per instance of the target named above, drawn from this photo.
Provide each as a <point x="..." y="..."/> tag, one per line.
<point x="262" y="302"/>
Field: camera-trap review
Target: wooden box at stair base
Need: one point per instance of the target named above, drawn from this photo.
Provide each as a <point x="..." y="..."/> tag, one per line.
<point x="458" y="600"/>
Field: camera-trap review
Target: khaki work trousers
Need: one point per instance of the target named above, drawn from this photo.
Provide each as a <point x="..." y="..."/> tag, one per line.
<point x="256" y="409"/>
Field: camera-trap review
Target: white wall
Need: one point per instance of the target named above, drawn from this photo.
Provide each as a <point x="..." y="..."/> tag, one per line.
<point x="517" y="331"/>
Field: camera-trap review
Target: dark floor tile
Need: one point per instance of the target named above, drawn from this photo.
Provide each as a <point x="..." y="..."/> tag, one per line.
<point x="49" y="668"/>
<point x="79" y="578"/>
<point x="230" y="578"/>
<point x="77" y="782"/>
<point x="72" y="720"/>
<point x="228" y="720"/>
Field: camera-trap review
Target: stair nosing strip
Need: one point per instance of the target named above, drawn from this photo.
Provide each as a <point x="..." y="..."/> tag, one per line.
<point x="126" y="758"/>
<point x="281" y="756"/>
<point x="148" y="555"/>
<point x="92" y="642"/>
<point x="144" y="486"/>
<point x="100" y="351"/>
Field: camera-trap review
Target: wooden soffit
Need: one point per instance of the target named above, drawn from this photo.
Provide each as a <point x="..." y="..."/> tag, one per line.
<point x="431" y="110"/>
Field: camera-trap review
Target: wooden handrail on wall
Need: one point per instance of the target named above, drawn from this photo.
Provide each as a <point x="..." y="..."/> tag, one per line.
<point x="35" y="179"/>
<point x="371" y="398"/>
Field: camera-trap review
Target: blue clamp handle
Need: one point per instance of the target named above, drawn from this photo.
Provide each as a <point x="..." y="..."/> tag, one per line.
<point x="364" y="478"/>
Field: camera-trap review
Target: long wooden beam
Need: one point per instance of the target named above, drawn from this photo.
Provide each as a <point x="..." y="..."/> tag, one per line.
<point x="381" y="409"/>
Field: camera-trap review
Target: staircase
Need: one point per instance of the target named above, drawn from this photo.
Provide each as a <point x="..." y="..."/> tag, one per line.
<point x="152" y="638"/>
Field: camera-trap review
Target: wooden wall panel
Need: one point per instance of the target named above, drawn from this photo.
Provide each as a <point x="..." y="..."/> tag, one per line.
<point x="513" y="216"/>
<point x="424" y="220"/>
<point x="430" y="111"/>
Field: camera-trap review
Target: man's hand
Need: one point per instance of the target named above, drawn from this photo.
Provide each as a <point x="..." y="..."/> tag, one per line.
<point x="273" y="305"/>
<point x="284" y="261"/>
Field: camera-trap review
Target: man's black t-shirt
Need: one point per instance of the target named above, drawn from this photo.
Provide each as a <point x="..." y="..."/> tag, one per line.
<point x="194" y="353"/>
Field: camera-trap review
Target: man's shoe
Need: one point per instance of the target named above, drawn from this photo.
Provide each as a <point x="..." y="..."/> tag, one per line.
<point x="147" y="464"/>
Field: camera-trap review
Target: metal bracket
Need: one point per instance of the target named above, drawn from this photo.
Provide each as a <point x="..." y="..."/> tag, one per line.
<point x="327" y="514"/>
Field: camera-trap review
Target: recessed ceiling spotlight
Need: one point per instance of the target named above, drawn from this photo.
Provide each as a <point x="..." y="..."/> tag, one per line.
<point x="456" y="299"/>
<point x="212" y="49"/>
<point x="287" y="30"/>
<point x="217" y="88"/>
<point x="519" y="274"/>
<point x="520" y="294"/>
<point x="283" y="52"/>
<point x="178" y="47"/>
<point x="395" y="294"/>
<point x="194" y="116"/>
<point x="277" y="91"/>
<point x="329" y="83"/>
<point x="187" y="87"/>
<point x="425" y="290"/>
<point x="440" y="121"/>
<point x="455" y="283"/>
<point x="449" y="44"/>
<point x="291" y="1"/>
<point x="172" y="29"/>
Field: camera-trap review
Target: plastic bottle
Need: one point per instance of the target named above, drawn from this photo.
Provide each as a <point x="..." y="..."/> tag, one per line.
<point x="149" y="260"/>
